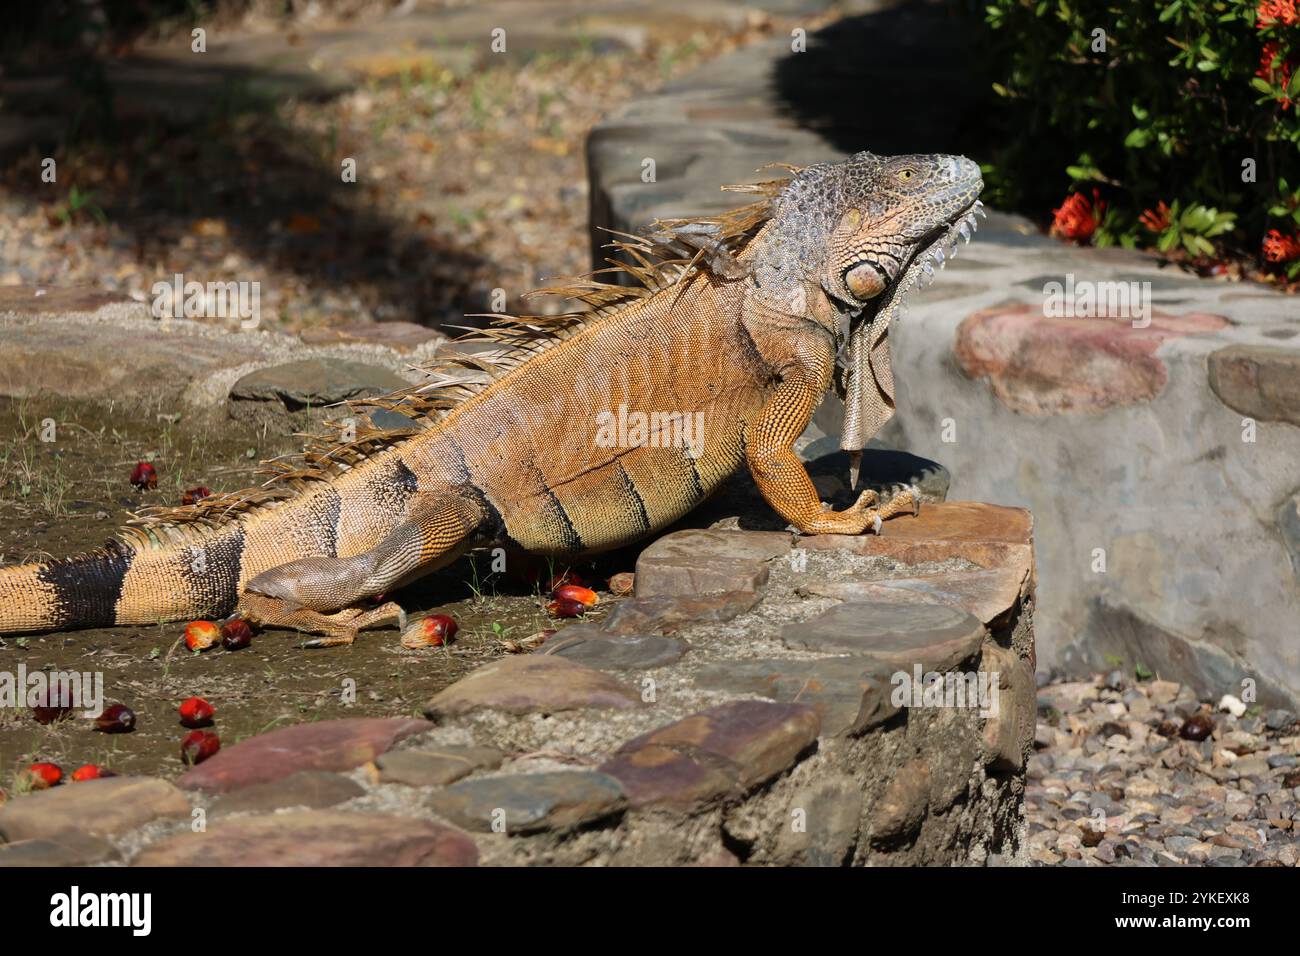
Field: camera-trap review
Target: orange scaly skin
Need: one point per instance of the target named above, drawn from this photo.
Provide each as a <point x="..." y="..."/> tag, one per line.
<point x="735" y="329"/>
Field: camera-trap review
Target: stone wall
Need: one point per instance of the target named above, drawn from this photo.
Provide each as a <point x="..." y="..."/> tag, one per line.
<point x="740" y="708"/>
<point x="1160" y="459"/>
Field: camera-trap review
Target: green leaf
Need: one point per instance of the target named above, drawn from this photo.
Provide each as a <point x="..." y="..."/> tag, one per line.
<point x="1137" y="138"/>
<point x="1261" y="84"/>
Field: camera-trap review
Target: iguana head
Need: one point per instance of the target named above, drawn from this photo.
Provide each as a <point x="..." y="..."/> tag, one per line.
<point x="868" y="231"/>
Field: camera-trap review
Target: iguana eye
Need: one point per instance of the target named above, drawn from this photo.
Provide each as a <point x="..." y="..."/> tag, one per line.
<point x="906" y="173"/>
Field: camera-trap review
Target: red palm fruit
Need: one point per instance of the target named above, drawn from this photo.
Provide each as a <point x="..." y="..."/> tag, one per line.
<point x="42" y="776"/>
<point x="568" y="576"/>
<point x="236" y="634"/>
<point x="566" y="607"/>
<point x="54" y="702"/>
<point x="432" y="631"/>
<point x="90" y="772"/>
<point x="200" y="635"/>
<point x="144" y="476"/>
<point x="574" y="592"/>
<point x="194" y="495"/>
<point x="198" y="745"/>
<point x="197" y="712"/>
<point x="116" y="719"/>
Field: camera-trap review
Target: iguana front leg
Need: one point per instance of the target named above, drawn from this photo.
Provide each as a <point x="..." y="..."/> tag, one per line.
<point x="322" y="594"/>
<point x="782" y="477"/>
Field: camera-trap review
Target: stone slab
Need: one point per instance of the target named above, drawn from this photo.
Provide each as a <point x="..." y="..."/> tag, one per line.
<point x="100" y="808"/>
<point x="935" y="636"/>
<point x="533" y="683"/>
<point x="528" y="803"/>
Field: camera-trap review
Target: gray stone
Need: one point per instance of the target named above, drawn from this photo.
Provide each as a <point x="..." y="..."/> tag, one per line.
<point x="619" y="651"/>
<point x="668" y="614"/>
<point x="106" y="807"/>
<point x="935" y="636"/>
<point x="900" y="810"/>
<point x="1279" y="719"/>
<point x="533" y="683"/>
<point x="64" y="849"/>
<point x="315" y="382"/>
<point x="312" y="789"/>
<point x="313" y="838"/>
<point x="827" y="813"/>
<point x="1261" y="381"/>
<point x="849" y="694"/>
<point x="704" y="561"/>
<point x="438" y="767"/>
<point x="761" y="739"/>
<point x="527" y="803"/>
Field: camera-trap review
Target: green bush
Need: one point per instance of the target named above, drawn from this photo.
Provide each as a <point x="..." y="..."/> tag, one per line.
<point x="1141" y="123"/>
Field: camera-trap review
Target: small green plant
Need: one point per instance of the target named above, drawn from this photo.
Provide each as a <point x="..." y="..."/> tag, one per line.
<point x="79" y="201"/>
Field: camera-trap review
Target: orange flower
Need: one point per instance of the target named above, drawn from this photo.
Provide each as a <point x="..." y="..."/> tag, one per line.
<point x="1077" y="218"/>
<point x="1279" y="74"/>
<point x="1280" y="248"/>
<point x="1156" y="220"/>
<point x="1273" y="12"/>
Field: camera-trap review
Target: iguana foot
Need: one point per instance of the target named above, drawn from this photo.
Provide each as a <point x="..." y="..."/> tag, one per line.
<point x="860" y="516"/>
<point x="338" y="628"/>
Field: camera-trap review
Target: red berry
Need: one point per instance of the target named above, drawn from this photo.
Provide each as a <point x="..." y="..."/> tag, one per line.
<point x="144" y="476"/>
<point x="236" y="634"/>
<point x="116" y="719"/>
<point x="53" y="702"/>
<point x="200" y="635"/>
<point x="90" y="772"/>
<point x="194" y="495"/>
<point x="198" y="745"/>
<point x="42" y="776"/>
<point x="576" y="592"/>
<point x="197" y="712"/>
<point x="566" y="607"/>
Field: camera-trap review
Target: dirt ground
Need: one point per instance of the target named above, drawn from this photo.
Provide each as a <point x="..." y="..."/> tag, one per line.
<point x="66" y="496"/>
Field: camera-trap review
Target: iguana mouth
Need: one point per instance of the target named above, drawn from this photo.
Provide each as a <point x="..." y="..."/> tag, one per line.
<point x="857" y="384"/>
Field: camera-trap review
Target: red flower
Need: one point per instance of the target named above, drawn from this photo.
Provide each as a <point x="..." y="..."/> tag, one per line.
<point x="1273" y="12"/>
<point x="1077" y="218"/>
<point x="1279" y="74"/>
<point x="1280" y="248"/>
<point x="1156" y="220"/>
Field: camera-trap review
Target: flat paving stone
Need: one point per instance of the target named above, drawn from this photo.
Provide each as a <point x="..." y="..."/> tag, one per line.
<point x="435" y="767"/>
<point x="534" y="683"/>
<point x="986" y="595"/>
<point x="935" y="636"/>
<point x="333" y="745"/>
<point x="667" y="614"/>
<point x="761" y="739"/>
<point x="527" y="803"/>
<point x="101" y="808"/>
<point x="1033" y="366"/>
<point x="315" y="838"/>
<point x="1261" y="381"/>
<point x="705" y="561"/>
<point x="849" y="694"/>
<point x="619" y="651"/>
<point x="683" y="780"/>
<point x="315" y="382"/>
<point x="64" y="849"/>
<point x="312" y="789"/>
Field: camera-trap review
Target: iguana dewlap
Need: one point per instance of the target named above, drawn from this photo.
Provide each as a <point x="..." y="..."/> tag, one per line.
<point x="734" y="327"/>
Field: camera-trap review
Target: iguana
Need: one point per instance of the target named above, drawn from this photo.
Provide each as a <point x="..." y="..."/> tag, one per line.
<point x="736" y="319"/>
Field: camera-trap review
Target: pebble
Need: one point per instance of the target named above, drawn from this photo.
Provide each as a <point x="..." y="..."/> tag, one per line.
<point x="1178" y="780"/>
